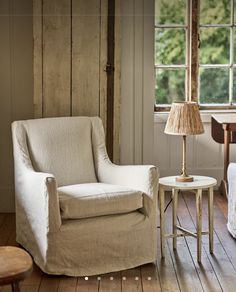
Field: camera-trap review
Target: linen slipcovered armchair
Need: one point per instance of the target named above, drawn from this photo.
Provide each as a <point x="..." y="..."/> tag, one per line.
<point x="76" y="212"/>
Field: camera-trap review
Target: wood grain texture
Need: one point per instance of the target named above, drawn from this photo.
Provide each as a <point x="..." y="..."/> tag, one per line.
<point x="131" y="280"/>
<point x="221" y="260"/>
<point x="205" y="270"/>
<point x="103" y="62"/>
<point x="182" y="259"/>
<point x="150" y="280"/>
<point x="110" y="282"/>
<point x="117" y="83"/>
<point x="56" y="58"/>
<point x="86" y="28"/>
<point x="16" y="83"/>
<point x="90" y="284"/>
<point x="38" y="58"/>
<point x="15" y="265"/>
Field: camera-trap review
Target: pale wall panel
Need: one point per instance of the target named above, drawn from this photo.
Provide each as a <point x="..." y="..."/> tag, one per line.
<point x="137" y="81"/>
<point x="16" y="77"/>
<point x="103" y="62"/>
<point x="85" y="57"/>
<point x="56" y="58"/>
<point x="6" y="178"/>
<point x="161" y="147"/>
<point x="208" y="153"/>
<point x="127" y="82"/>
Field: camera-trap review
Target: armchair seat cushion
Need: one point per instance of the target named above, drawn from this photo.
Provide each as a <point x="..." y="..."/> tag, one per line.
<point x="97" y="199"/>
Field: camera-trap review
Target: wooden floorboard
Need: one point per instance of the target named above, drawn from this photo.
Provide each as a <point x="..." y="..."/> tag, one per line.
<point x="205" y="270"/>
<point x="220" y="260"/>
<point x="182" y="260"/>
<point x="180" y="270"/>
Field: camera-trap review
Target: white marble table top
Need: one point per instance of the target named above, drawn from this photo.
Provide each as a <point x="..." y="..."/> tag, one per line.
<point x="199" y="182"/>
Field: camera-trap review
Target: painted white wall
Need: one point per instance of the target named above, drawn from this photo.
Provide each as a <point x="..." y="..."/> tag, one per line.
<point x="137" y="81"/>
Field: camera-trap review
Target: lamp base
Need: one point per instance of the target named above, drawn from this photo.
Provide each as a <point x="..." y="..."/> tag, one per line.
<point x="183" y="178"/>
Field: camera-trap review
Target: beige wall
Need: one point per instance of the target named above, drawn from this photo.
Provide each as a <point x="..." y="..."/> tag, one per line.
<point x="16" y="84"/>
<point x="137" y="81"/>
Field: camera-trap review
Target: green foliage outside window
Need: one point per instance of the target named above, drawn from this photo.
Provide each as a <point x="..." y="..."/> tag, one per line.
<point x="170" y="50"/>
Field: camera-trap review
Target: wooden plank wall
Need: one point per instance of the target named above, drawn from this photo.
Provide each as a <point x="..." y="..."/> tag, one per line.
<point x="67" y="44"/>
<point x="70" y="55"/>
<point x="16" y="84"/>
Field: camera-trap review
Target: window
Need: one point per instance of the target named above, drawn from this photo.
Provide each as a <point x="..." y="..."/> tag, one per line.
<point x="195" y="44"/>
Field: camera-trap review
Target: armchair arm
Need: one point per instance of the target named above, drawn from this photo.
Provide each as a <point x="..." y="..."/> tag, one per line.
<point x="36" y="193"/>
<point x="139" y="177"/>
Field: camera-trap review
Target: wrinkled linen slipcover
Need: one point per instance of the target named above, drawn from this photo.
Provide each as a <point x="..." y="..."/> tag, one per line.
<point x="232" y="199"/>
<point x="52" y="154"/>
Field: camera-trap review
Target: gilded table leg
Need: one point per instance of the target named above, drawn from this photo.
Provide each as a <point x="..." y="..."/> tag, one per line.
<point x="211" y="218"/>
<point x="162" y="221"/>
<point x="174" y="216"/>
<point x="199" y="223"/>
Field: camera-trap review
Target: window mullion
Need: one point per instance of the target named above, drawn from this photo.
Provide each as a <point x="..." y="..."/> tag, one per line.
<point x="188" y="51"/>
<point x="194" y="49"/>
<point x="231" y="54"/>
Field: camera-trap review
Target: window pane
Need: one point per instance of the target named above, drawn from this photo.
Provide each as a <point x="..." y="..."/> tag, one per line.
<point x="234" y="86"/>
<point x="169" y="46"/>
<point x="170" y="86"/>
<point x="215" y="44"/>
<point x="234" y="45"/>
<point x="170" y="11"/>
<point x="214" y="85"/>
<point x="234" y="11"/>
<point x="215" y="11"/>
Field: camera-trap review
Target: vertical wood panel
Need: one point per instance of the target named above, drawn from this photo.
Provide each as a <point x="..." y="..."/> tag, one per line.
<point x="127" y="81"/>
<point x="16" y="83"/>
<point x="208" y="152"/>
<point x="103" y="61"/>
<point x="148" y="81"/>
<point x="117" y="81"/>
<point x="137" y="81"/>
<point x="22" y="46"/>
<point x="5" y="101"/>
<point x="38" y="55"/>
<point x="138" y="85"/>
<point x="56" y="58"/>
<point x="85" y="57"/>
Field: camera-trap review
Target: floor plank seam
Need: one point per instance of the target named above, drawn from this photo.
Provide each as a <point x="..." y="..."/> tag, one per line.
<point x="186" y="242"/>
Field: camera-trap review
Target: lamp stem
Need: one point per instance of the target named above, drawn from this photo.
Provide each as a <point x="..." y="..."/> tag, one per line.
<point x="184" y="157"/>
<point x="184" y="177"/>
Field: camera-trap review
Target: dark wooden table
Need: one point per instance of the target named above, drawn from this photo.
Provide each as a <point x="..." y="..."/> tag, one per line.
<point x="223" y="129"/>
<point x="15" y="265"/>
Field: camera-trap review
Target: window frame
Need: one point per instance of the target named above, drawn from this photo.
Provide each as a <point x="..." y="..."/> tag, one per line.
<point x="193" y="65"/>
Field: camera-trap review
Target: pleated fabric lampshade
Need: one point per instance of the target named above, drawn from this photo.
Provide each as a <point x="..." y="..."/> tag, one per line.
<point x="184" y="119"/>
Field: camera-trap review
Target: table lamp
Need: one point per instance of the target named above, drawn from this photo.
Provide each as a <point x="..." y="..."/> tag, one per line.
<point x="184" y="119"/>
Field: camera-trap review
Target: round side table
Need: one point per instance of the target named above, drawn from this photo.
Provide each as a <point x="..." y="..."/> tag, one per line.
<point x="199" y="183"/>
<point x="15" y="265"/>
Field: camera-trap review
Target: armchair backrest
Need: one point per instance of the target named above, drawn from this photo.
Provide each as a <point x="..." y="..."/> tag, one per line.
<point x="61" y="146"/>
